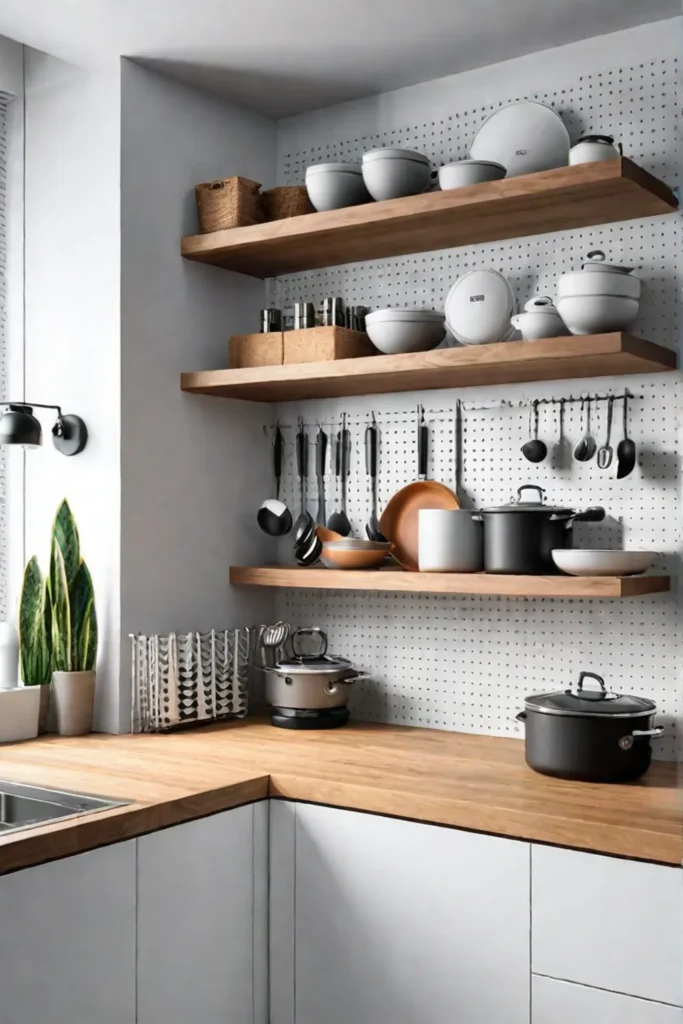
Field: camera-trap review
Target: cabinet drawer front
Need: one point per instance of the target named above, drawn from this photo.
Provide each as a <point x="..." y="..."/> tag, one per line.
<point x="614" y="924"/>
<point x="561" y="1002"/>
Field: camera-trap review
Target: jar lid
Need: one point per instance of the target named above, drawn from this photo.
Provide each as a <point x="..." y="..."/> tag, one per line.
<point x="590" y="703"/>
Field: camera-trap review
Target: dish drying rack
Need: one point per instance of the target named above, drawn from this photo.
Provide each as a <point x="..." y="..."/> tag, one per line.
<point x="187" y="678"/>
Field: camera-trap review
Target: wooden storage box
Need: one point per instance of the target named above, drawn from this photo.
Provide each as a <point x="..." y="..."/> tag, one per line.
<point x="255" y="350"/>
<point x="324" y="344"/>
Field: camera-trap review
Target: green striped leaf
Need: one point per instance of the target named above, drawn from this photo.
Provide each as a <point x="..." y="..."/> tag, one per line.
<point x="65" y="535"/>
<point x="34" y="627"/>
<point x="61" y="613"/>
<point x="83" y="621"/>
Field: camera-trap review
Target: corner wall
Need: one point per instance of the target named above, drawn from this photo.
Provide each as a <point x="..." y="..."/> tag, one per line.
<point x="193" y="470"/>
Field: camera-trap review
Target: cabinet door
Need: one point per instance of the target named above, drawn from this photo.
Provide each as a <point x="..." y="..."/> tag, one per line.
<point x="560" y="1002"/>
<point x="197" y="893"/>
<point x="403" y="923"/>
<point x="67" y="940"/>
<point x="610" y="923"/>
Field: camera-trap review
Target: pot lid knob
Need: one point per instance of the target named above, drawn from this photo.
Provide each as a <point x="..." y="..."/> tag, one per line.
<point x="600" y="694"/>
<point x="309" y="631"/>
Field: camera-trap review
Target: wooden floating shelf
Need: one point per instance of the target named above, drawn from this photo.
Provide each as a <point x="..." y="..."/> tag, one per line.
<point x="531" y="204"/>
<point x="398" y="581"/>
<point x="511" y="362"/>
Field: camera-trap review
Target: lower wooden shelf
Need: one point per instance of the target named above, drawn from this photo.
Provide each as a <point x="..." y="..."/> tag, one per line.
<point x="398" y="581"/>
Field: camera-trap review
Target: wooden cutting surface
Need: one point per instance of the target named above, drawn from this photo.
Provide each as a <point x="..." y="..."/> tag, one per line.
<point x="445" y="778"/>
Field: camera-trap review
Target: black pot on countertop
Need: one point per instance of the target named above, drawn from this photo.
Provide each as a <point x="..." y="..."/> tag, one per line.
<point x="519" y="538"/>
<point x="589" y="735"/>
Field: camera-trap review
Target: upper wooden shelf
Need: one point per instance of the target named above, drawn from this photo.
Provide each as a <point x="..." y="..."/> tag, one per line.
<point x="532" y="204"/>
<point x="398" y="581"/>
<point x="505" y="363"/>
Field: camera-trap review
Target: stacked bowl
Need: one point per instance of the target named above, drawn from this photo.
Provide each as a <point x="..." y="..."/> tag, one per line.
<point x="394" y="331"/>
<point x="600" y="297"/>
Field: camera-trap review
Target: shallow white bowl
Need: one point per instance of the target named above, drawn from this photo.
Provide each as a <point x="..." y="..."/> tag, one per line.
<point x="334" y="186"/>
<point x="593" y="314"/>
<point x="393" y="173"/>
<point x="602" y="562"/>
<point x="469" y="172"/>
<point x="395" y="336"/>
<point x="598" y="282"/>
<point x="403" y="315"/>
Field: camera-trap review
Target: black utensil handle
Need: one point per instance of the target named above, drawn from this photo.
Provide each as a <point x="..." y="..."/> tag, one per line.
<point x="278" y="452"/>
<point x="345" y="444"/>
<point x="321" y="453"/>
<point x="371" y="451"/>
<point x="302" y="454"/>
<point x="596" y="514"/>
<point x="337" y="456"/>
<point x="422" y="450"/>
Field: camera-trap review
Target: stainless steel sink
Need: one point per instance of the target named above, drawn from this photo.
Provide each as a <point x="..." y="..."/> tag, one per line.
<point x="27" y="806"/>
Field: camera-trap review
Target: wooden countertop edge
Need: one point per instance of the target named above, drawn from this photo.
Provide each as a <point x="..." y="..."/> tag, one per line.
<point x="613" y="840"/>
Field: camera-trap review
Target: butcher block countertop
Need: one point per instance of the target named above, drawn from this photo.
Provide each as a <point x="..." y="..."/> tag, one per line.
<point x="445" y="778"/>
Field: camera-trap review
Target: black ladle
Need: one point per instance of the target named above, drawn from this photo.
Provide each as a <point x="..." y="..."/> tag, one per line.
<point x="371" y="465"/>
<point x="273" y="517"/>
<point x="626" y="449"/>
<point x="534" y="450"/>
<point x="304" y="526"/>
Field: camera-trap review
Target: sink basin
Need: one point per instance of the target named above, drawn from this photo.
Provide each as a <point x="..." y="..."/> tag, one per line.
<point x="27" y="806"/>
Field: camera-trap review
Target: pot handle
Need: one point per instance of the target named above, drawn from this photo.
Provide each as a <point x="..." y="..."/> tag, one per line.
<point x="520" y="716"/>
<point x="310" y="631"/>
<point x="595" y="514"/>
<point x="591" y="675"/>
<point x="530" y="487"/>
<point x="655" y="733"/>
<point x="331" y="687"/>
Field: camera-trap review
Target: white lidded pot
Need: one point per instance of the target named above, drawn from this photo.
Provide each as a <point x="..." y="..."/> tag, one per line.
<point x="591" y="149"/>
<point x="540" y="319"/>
<point x="597" y="277"/>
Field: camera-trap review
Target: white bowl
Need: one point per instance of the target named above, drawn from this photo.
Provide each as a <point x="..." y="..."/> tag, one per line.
<point x="403" y="315"/>
<point x="393" y="173"/>
<point x="587" y="562"/>
<point x="595" y="314"/>
<point x="598" y="282"/>
<point x="469" y="172"/>
<point x="537" y="324"/>
<point x="396" y="336"/>
<point x="334" y="186"/>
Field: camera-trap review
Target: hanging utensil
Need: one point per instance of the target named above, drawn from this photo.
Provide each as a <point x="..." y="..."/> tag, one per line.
<point x="320" y="462"/>
<point x="606" y="452"/>
<point x="626" y="449"/>
<point x="585" y="449"/>
<point x="273" y="517"/>
<point x="422" y="445"/>
<point x="339" y="521"/>
<point x="304" y="527"/>
<point x="371" y="466"/>
<point x="534" y="450"/>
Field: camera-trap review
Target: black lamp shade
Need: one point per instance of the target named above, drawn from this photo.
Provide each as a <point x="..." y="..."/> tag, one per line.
<point x="18" y="425"/>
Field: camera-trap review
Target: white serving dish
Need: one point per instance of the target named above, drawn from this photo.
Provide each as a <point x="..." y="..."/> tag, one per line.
<point x="412" y="315"/>
<point x="597" y="314"/>
<point x="393" y="337"/>
<point x="393" y="173"/>
<point x="478" y="308"/>
<point x="334" y="186"/>
<point x="19" y="713"/>
<point x="469" y="172"/>
<point x="602" y="562"/>
<point x="525" y="137"/>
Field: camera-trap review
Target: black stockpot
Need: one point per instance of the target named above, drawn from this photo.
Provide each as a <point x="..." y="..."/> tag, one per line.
<point x="519" y="537"/>
<point x="589" y="735"/>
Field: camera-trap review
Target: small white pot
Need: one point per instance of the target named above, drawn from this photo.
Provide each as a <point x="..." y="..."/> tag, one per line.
<point x="591" y="149"/>
<point x="449" y="540"/>
<point x="539" y="320"/>
<point x="73" y="696"/>
<point x="19" y="713"/>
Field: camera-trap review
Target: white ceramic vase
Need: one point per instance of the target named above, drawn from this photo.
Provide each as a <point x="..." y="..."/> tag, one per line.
<point x="73" y="698"/>
<point x="19" y="710"/>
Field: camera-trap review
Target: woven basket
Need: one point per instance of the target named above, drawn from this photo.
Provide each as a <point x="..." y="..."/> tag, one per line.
<point x="228" y="203"/>
<point x="286" y="201"/>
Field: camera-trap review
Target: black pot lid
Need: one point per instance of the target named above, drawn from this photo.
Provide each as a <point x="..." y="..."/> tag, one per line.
<point x="518" y="504"/>
<point x="593" y="703"/>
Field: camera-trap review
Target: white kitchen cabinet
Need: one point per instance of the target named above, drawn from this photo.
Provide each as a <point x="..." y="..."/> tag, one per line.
<point x="202" y="909"/>
<point x="67" y="940"/>
<point x="561" y="1002"/>
<point x="610" y="923"/>
<point x="398" y="922"/>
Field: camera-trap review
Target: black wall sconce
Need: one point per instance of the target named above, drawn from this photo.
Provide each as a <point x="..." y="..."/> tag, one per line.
<point x="18" y="425"/>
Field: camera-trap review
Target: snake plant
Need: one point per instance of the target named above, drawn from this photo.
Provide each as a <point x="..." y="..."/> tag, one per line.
<point x="57" y="618"/>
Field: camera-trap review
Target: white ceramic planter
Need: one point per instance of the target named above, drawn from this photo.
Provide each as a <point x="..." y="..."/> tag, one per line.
<point x="19" y="712"/>
<point x="73" y="697"/>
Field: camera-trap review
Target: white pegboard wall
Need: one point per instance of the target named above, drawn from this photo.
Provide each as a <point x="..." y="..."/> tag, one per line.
<point x="466" y="663"/>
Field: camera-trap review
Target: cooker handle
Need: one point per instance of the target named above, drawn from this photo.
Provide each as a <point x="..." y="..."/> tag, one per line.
<point x="595" y="514"/>
<point x="310" y="631"/>
<point x="520" y="716"/>
<point x="530" y="487"/>
<point x="331" y="687"/>
<point x="656" y="733"/>
<point x="591" y="675"/>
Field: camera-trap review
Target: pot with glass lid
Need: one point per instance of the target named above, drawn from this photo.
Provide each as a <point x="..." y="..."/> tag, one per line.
<point x="588" y="734"/>
<point x="310" y="681"/>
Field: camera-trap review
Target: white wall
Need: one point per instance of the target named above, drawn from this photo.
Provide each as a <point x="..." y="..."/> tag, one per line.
<point x="194" y="470"/>
<point x="72" y="341"/>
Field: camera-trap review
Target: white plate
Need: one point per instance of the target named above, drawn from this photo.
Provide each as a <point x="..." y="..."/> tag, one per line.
<point x="524" y="137"/>
<point x="602" y="562"/>
<point x="478" y="308"/>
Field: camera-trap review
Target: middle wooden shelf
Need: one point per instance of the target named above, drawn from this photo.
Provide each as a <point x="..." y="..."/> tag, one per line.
<point x="493" y="585"/>
<point x="512" y="362"/>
